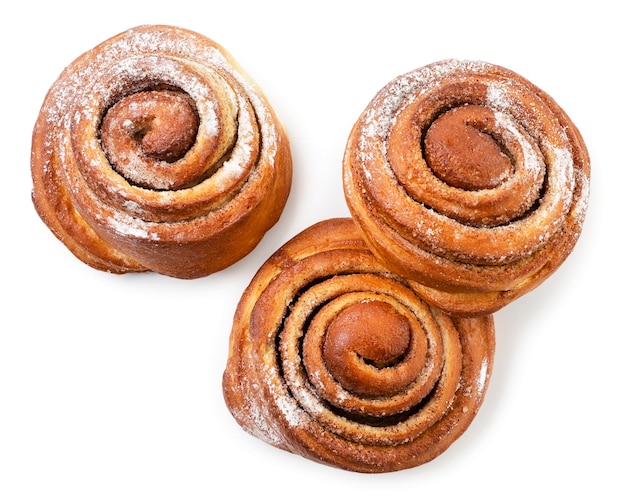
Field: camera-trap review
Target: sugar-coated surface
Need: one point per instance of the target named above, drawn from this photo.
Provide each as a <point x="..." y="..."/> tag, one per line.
<point x="441" y="234"/>
<point x="96" y="148"/>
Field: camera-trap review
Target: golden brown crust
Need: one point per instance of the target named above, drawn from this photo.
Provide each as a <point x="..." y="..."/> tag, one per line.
<point x="155" y="151"/>
<point x="469" y="180"/>
<point x="335" y="358"/>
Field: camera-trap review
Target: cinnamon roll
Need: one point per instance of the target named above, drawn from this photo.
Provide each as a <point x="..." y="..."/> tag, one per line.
<point x="335" y="358"/>
<point x="470" y="181"/>
<point x="154" y="151"/>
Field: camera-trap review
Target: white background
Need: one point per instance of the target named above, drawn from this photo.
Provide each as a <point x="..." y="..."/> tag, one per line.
<point x="111" y="385"/>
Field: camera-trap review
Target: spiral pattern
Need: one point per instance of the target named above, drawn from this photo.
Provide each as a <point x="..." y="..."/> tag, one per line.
<point x="469" y="180"/>
<point x="335" y="358"/>
<point x="155" y="151"/>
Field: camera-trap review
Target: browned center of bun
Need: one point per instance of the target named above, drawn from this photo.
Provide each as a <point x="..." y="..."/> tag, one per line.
<point x="461" y="151"/>
<point x="367" y="336"/>
<point x="151" y="128"/>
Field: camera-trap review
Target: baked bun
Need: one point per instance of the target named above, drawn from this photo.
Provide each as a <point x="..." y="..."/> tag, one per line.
<point x="155" y="151"/>
<point x="334" y="358"/>
<point x="469" y="180"/>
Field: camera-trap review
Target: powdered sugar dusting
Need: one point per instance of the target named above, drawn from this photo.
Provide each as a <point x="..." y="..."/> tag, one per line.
<point x="532" y="161"/>
<point x="287" y="405"/>
<point x="580" y="209"/>
<point x="380" y="116"/>
<point x="498" y="97"/>
<point x="563" y="165"/>
<point x="242" y="152"/>
<point x="133" y="227"/>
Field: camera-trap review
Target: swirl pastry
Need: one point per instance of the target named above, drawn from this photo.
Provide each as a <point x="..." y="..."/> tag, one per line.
<point x="469" y="180"/>
<point x="335" y="358"/>
<point x="155" y="151"/>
